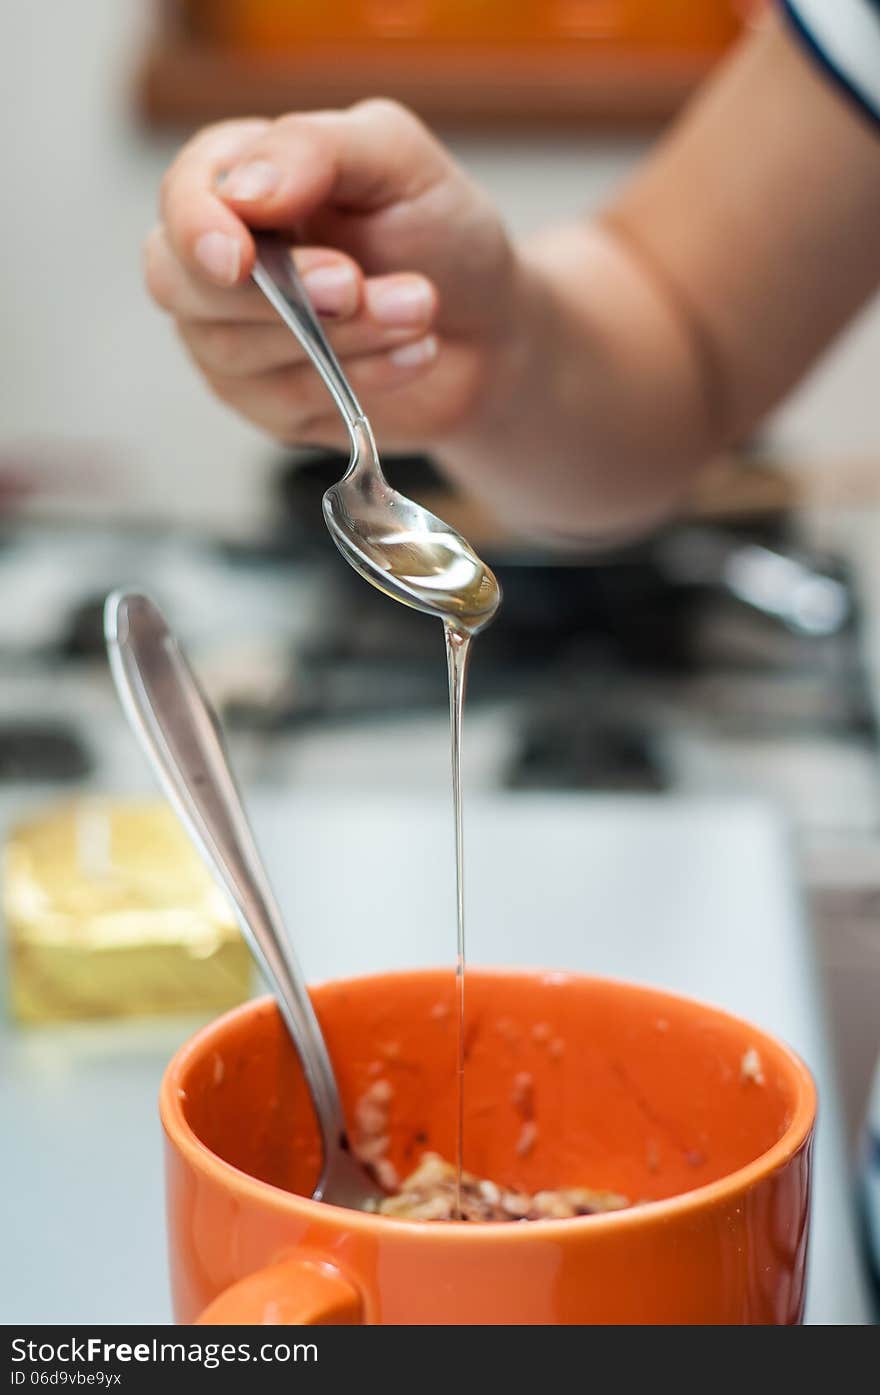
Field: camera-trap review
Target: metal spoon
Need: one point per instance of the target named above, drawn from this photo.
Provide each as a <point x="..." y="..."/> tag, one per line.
<point x="180" y="733"/>
<point x="395" y="544"/>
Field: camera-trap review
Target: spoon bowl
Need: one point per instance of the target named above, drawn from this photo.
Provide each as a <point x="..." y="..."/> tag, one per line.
<point x="404" y="549"/>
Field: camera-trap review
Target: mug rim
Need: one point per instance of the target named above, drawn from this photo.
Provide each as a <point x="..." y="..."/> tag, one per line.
<point x="183" y="1137"/>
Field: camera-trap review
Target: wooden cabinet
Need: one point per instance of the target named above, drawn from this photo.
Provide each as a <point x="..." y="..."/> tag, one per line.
<point x="508" y="61"/>
<point x="689" y="25"/>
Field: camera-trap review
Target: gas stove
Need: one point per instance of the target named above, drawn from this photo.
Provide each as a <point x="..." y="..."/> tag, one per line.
<point x="710" y="658"/>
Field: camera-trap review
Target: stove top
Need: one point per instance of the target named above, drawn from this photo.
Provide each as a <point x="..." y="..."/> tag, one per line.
<point x="706" y="657"/>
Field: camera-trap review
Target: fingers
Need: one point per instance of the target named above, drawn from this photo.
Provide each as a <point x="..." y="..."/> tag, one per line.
<point x="236" y="333"/>
<point x="334" y="283"/>
<point x="231" y="348"/>
<point x="274" y="174"/>
<point x="292" y="403"/>
<point x="203" y="232"/>
<point x="363" y="159"/>
<point x="287" y="174"/>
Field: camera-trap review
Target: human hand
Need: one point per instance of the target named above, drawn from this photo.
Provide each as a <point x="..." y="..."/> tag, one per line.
<point x="404" y="258"/>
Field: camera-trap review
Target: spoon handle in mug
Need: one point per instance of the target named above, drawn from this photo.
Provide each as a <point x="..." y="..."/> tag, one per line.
<point x="180" y="734"/>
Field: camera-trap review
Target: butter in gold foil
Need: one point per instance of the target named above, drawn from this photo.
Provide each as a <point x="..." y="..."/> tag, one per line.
<point x="110" y="912"/>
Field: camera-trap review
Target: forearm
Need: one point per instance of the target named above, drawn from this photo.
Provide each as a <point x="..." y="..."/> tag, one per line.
<point x="601" y="405"/>
<point x="648" y="340"/>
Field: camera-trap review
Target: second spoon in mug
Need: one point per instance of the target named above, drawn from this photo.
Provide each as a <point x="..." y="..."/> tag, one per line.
<point x="180" y="734"/>
<point x="393" y="542"/>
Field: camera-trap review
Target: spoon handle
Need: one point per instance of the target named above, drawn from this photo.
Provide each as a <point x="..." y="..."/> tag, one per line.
<point x="180" y="734"/>
<point x="275" y="274"/>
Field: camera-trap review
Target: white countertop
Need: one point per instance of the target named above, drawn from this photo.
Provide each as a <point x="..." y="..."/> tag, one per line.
<point x="697" y="896"/>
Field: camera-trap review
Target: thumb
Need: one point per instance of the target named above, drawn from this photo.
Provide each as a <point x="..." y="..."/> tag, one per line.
<point x="361" y="160"/>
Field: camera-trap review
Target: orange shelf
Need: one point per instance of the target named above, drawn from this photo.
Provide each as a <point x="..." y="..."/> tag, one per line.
<point x="235" y="58"/>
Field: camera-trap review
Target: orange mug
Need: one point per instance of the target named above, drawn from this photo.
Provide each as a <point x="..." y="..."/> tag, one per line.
<point x="697" y="1117"/>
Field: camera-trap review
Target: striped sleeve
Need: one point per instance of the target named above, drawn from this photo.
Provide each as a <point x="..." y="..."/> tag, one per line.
<point x="843" y="37"/>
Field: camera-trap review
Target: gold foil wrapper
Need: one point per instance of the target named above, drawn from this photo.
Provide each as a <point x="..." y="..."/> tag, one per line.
<point x="109" y="912"/>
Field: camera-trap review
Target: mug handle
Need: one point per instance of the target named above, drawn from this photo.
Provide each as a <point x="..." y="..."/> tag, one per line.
<point x="299" y="1291"/>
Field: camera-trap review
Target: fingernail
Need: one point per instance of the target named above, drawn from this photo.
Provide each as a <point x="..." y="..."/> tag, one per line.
<point x="332" y="289"/>
<point x="399" y="302"/>
<point x="414" y="355"/>
<point x="219" y="256"/>
<point x="253" y="181"/>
